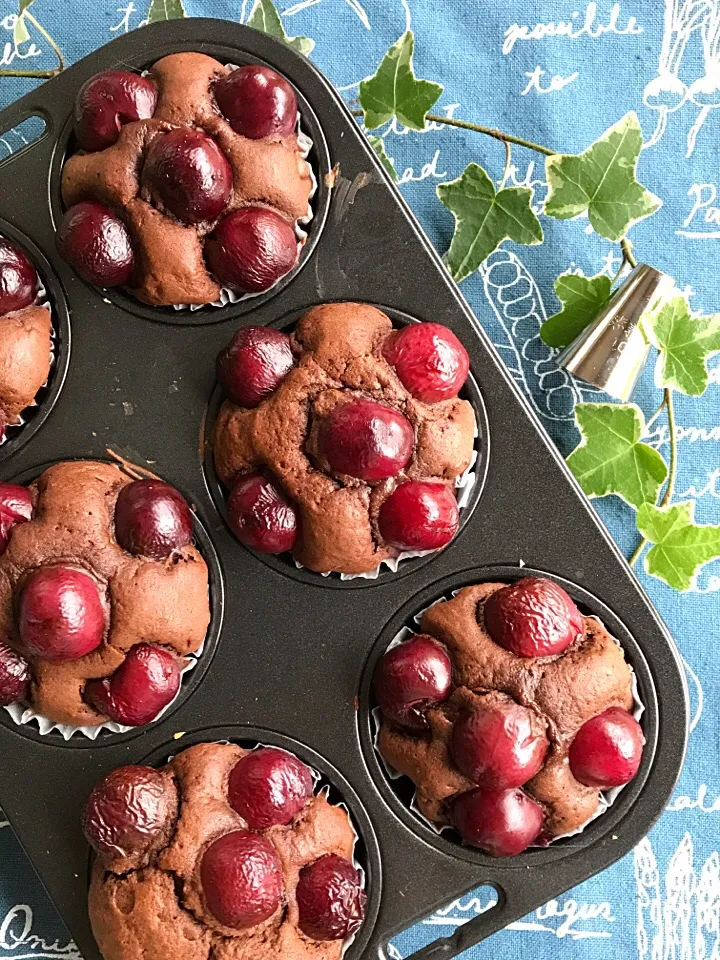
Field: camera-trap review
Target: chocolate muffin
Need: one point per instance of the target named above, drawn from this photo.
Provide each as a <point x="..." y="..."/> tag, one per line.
<point x="103" y="597"/>
<point x="510" y="713"/>
<point x="223" y="854"/>
<point x="342" y="442"/>
<point x="25" y="335"/>
<point x="187" y="180"/>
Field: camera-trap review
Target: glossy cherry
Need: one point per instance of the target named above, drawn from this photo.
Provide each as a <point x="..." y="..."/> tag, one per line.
<point x="503" y="823"/>
<point x="242" y="879"/>
<point x="607" y="749"/>
<point x="533" y="617"/>
<point x="260" y="516"/>
<point x="419" y="515"/>
<point x="107" y="101"/>
<point x="152" y="519"/>
<point x="60" y="614"/>
<point x="14" y="676"/>
<point x="96" y="243"/>
<point x="330" y="899"/>
<point x="18" y="278"/>
<point x="253" y="364"/>
<point x="188" y="173"/>
<point x="410" y="678"/>
<point x="499" y="746"/>
<point x="146" y="681"/>
<point x="268" y="787"/>
<point x="429" y="360"/>
<point x="127" y="811"/>
<point x="367" y="440"/>
<point x="257" y="102"/>
<point x="251" y="249"/>
<point x="15" y="507"/>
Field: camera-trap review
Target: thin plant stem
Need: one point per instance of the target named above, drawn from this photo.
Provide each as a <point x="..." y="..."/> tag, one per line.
<point x="39" y="74"/>
<point x="620" y="269"/>
<point x="626" y="248"/>
<point x="38" y="26"/>
<point x="508" y="160"/>
<point x="657" y="413"/>
<point x="637" y="553"/>
<point x="667" y="496"/>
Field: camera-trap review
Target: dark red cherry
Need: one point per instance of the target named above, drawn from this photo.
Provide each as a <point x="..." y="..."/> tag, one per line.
<point x="242" y="879"/>
<point x="96" y="243"/>
<point x="127" y="811"/>
<point x="268" y="787"/>
<point x="499" y="746"/>
<point x="254" y="364"/>
<point x="419" y="515"/>
<point x="367" y="440"/>
<point x="503" y="823"/>
<point x="429" y="360"/>
<point x="533" y="617"/>
<point x="60" y="615"/>
<point x="260" y="516"/>
<point x="14" y="677"/>
<point x="410" y="678"/>
<point x="18" y="278"/>
<point x="15" y="507"/>
<point x="107" y="101"/>
<point x="607" y="749"/>
<point x="152" y="519"/>
<point x="251" y="249"/>
<point x="147" y="680"/>
<point x="330" y="899"/>
<point x="189" y="174"/>
<point x="257" y="102"/>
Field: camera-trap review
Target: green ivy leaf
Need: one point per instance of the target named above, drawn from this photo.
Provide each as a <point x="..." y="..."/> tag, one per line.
<point x="681" y="546"/>
<point x="165" y="10"/>
<point x="581" y="298"/>
<point x="612" y="458"/>
<point x="395" y="91"/>
<point x="265" y="17"/>
<point x="484" y="218"/>
<point x="20" y="31"/>
<point x="602" y="181"/>
<point x="378" y="145"/>
<point x="685" y="342"/>
<point x="23" y="5"/>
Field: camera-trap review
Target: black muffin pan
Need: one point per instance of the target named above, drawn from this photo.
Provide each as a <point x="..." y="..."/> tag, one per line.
<point x="295" y="650"/>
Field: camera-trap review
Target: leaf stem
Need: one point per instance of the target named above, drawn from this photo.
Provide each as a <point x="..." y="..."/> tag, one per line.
<point x="627" y="250"/>
<point x="38" y="26"/>
<point x="657" y="413"/>
<point x="667" y="496"/>
<point x="637" y="553"/>
<point x="38" y="74"/>
<point x="506" y="170"/>
<point x="492" y="132"/>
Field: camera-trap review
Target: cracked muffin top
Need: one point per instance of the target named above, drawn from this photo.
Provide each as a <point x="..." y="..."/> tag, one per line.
<point x="102" y="595"/>
<point x="342" y="441"/>
<point x="223" y="853"/>
<point x="510" y="712"/>
<point x="187" y="180"/>
<point x="25" y="335"/>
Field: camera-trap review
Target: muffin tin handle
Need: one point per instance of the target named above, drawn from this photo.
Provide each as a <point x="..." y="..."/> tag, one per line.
<point x="472" y="932"/>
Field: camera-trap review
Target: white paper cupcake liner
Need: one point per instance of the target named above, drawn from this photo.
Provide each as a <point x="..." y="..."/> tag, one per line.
<point x="607" y="797"/>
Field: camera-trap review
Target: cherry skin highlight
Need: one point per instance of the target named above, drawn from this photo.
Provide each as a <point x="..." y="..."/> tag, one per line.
<point x="241" y="879"/>
<point x="144" y="684"/>
<point x="189" y="174"/>
<point x="106" y="102"/>
<point x="60" y="615"/>
<point x="18" y="278"/>
<point x="15" y="507"/>
<point x="503" y="823"/>
<point x="533" y="617"/>
<point x="419" y="515"/>
<point x="607" y="749"/>
<point x="367" y="440"/>
<point x="152" y="519"/>
<point x="260" y="516"/>
<point x="257" y="102"/>
<point x="410" y="678"/>
<point x="254" y="364"/>
<point x="429" y="360"/>
<point x="96" y="243"/>
<point x="14" y="677"/>
<point x="127" y="811"/>
<point x="251" y="249"/>
<point x="269" y="787"/>
<point x="330" y="899"/>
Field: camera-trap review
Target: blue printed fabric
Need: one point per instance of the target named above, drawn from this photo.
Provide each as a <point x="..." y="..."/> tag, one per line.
<point x="558" y="72"/>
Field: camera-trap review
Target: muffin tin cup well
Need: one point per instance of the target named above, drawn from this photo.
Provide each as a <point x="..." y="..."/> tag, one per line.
<point x="403" y="787"/>
<point x="318" y="157"/>
<point x="469" y="487"/>
<point x="31" y="724"/>
<point x="292" y="659"/>
<point x="53" y="297"/>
